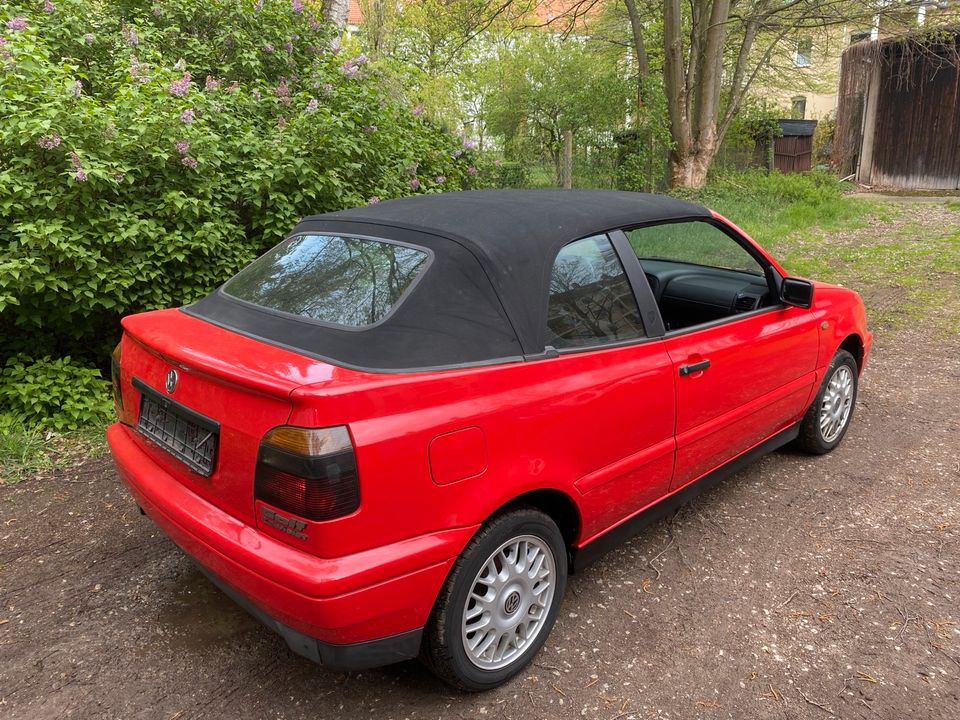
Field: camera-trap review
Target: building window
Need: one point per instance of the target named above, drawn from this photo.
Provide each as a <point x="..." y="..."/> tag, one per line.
<point x="859" y="37"/>
<point x="801" y="57"/>
<point x="798" y="109"/>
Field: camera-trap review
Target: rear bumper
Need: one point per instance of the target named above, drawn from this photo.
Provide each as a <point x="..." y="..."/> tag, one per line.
<point x="352" y="612"/>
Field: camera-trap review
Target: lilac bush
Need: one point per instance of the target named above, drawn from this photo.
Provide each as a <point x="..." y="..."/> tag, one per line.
<point x="129" y="183"/>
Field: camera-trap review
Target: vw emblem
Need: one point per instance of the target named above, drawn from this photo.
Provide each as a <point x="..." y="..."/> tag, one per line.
<point x="172" y="378"/>
<point x="512" y="603"/>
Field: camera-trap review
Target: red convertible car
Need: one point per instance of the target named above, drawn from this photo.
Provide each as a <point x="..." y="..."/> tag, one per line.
<point x="397" y="432"/>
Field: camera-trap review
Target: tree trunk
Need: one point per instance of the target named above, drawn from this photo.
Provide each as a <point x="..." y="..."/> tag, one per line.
<point x="336" y="11"/>
<point x="568" y="159"/>
<point x="690" y="170"/>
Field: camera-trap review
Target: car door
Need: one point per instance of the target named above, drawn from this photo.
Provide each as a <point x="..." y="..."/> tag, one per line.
<point x="612" y="417"/>
<point x="744" y="364"/>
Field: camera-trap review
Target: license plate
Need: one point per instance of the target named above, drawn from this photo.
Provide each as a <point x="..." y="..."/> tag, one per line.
<point x="187" y="435"/>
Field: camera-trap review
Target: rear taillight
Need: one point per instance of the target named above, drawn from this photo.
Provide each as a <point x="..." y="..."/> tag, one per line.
<point x="310" y="472"/>
<point x="115" y="379"/>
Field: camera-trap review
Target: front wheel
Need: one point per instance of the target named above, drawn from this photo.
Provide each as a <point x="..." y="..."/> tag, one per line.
<point x="828" y="418"/>
<point x="499" y="603"/>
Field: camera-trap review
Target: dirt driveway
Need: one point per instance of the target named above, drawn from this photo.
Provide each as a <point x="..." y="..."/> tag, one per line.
<point x="800" y="588"/>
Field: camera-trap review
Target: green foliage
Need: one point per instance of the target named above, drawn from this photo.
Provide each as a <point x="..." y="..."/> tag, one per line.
<point x="512" y="174"/>
<point x="823" y="138"/>
<point x="56" y="393"/>
<point x="150" y="150"/>
<point x="541" y="86"/>
<point x="756" y="124"/>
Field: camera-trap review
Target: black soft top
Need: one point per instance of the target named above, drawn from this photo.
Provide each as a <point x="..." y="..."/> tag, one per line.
<point x="484" y="297"/>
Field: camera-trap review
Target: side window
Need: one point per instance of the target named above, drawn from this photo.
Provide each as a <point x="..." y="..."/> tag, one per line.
<point x="591" y="301"/>
<point x="694" y="242"/>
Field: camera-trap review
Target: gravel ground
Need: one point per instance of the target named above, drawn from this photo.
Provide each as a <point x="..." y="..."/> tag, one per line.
<point x="800" y="588"/>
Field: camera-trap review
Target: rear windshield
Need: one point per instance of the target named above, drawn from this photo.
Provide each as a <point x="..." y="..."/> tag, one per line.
<point x="330" y="278"/>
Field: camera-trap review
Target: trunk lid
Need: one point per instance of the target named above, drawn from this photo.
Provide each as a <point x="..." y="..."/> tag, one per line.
<point x="204" y="425"/>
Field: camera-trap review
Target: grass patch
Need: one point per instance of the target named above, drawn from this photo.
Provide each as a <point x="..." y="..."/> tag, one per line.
<point x="771" y="207"/>
<point x="27" y="452"/>
<point x="907" y="272"/>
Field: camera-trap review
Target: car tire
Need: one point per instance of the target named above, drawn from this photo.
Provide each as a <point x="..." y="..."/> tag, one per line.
<point x="518" y="560"/>
<point x="830" y="414"/>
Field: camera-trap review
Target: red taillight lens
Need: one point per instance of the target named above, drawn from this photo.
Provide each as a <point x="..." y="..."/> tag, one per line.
<point x="310" y="472"/>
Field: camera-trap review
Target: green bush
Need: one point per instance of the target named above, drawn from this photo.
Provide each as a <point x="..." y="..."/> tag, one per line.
<point x="512" y="174"/>
<point x="150" y="150"/>
<point x="55" y="393"/>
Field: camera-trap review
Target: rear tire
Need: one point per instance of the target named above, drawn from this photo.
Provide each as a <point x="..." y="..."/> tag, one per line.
<point x="499" y="602"/>
<point x="831" y="412"/>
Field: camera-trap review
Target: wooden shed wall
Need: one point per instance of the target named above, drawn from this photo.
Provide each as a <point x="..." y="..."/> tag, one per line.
<point x="917" y="135"/>
<point x="898" y="119"/>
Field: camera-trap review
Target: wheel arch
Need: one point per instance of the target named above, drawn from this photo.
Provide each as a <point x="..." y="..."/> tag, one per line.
<point x="853" y="344"/>
<point x="556" y="504"/>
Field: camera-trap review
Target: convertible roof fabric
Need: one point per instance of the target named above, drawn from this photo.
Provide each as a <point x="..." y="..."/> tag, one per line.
<point x="484" y="299"/>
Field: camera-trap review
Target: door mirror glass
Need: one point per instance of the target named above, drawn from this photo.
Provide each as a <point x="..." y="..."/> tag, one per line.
<point x="796" y="292"/>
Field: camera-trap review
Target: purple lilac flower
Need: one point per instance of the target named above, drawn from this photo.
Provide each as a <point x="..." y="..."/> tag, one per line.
<point x="89" y="38"/>
<point x="48" y="142"/>
<point x="268" y="48"/>
<point x="417" y="110"/>
<point x="315" y="24"/>
<point x="471" y="170"/>
<point x="233" y="87"/>
<point x="179" y="88"/>
<point x="327" y="88"/>
<point x="157" y="11"/>
<point x="457" y="153"/>
<point x="77" y="88"/>
<point x="311" y="49"/>
<point x="48" y="7"/>
<point x="110" y="130"/>
<point x="211" y="83"/>
<point x="412" y="168"/>
<point x="182" y="147"/>
<point x="281" y="122"/>
<point x="80" y="175"/>
<point x="373" y="200"/>
<point x="351" y="68"/>
<point x="187" y="116"/>
<point x="288" y="46"/>
<point x="3" y="41"/>
<point x="296" y="6"/>
<point x="312" y="105"/>
<point x="130" y="37"/>
<point x="282" y="92"/>
<point x="469" y="144"/>
<point x="17" y="23"/>
<point x="189" y="162"/>
<point x="414" y="184"/>
<point x="440" y="179"/>
<point x="228" y="41"/>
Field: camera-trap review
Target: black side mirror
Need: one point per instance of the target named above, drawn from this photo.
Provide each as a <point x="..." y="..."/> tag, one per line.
<point x="796" y="292"/>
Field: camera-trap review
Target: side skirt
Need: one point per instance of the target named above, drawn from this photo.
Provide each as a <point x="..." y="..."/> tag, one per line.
<point x="584" y="556"/>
